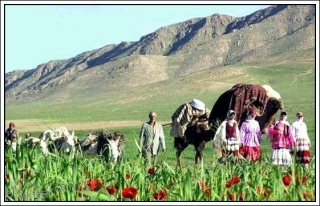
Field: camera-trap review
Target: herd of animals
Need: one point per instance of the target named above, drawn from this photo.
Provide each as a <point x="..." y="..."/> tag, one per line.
<point x="241" y="98"/>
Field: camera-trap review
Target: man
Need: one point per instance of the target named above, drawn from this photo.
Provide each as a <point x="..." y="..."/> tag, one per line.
<point x="10" y="135"/>
<point x="185" y="116"/>
<point x="151" y="138"/>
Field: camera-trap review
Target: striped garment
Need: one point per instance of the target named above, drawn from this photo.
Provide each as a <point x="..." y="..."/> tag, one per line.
<point x="281" y="157"/>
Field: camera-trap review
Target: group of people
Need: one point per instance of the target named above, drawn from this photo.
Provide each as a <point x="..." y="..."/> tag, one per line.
<point x="285" y="139"/>
<point x="229" y="139"/>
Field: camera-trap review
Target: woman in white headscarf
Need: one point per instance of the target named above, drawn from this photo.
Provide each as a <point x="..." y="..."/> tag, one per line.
<point x="227" y="138"/>
<point x="302" y="140"/>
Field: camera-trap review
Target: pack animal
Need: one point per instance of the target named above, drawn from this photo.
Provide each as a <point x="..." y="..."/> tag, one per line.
<point x="108" y="145"/>
<point x="242" y="98"/>
<point x="57" y="140"/>
<point x="197" y="135"/>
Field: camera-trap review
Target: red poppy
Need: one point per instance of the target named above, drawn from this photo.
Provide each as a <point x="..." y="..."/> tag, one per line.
<point x="232" y="196"/>
<point x="7" y="176"/>
<point x="129" y="192"/>
<point x="151" y="170"/>
<point x="203" y="185"/>
<point x="30" y="174"/>
<point x="80" y="189"/>
<point x="162" y="195"/>
<point x="303" y="179"/>
<point x="235" y="179"/>
<point x="286" y="180"/>
<point x="266" y="192"/>
<point x="228" y="184"/>
<point x="208" y="193"/>
<point x="307" y="196"/>
<point x="95" y="184"/>
<point x="112" y="189"/>
<point x="128" y="176"/>
<point x="241" y="197"/>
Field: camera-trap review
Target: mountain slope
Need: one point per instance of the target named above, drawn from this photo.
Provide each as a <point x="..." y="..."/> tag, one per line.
<point x="275" y="34"/>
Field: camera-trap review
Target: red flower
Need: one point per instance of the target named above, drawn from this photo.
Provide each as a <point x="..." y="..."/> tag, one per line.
<point x="129" y="192"/>
<point x="151" y="170"/>
<point x="303" y="179"/>
<point x="307" y="196"/>
<point x="208" y="193"/>
<point x="232" y="196"/>
<point x="286" y="180"/>
<point x="30" y="174"/>
<point x="235" y="179"/>
<point x="241" y="197"/>
<point x="95" y="184"/>
<point x="162" y="195"/>
<point x="228" y="184"/>
<point x="128" y="176"/>
<point x="7" y="176"/>
<point x="112" y="189"/>
<point x="266" y="192"/>
<point x="79" y="191"/>
<point x="26" y="166"/>
<point x="203" y="185"/>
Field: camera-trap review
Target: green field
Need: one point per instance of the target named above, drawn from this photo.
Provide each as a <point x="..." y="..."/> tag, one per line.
<point x="294" y="81"/>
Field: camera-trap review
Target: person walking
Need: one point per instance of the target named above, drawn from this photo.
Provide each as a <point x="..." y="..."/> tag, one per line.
<point x="282" y="141"/>
<point x="227" y="138"/>
<point x="302" y="140"/>
<point x="250" y="136"/>
<point x="151" y="139"/>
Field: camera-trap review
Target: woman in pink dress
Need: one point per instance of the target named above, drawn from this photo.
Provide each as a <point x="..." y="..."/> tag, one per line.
<point x="282" y="141"/>
<point x="250" y="137"/>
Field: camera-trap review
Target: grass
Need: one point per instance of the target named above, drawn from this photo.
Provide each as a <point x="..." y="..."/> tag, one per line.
<point x="29" y="176"/>
<point x="294" y="81"/>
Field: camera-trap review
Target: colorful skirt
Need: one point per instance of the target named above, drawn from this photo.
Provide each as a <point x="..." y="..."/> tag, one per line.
<point x="281" y="157"/>
<point x="303" y="157"/>
<point x="250" y="153"/>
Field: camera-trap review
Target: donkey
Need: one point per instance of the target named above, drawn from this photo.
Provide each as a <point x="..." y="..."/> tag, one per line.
<point x="197" y="135"/>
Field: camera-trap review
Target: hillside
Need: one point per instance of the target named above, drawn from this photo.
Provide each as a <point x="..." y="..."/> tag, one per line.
<point x="282" y="33"/>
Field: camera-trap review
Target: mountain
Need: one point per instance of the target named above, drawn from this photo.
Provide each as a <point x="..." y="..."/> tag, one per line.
<point x="275" y="34"/>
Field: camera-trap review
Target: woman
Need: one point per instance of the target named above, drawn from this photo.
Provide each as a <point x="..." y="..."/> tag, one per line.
<point x="282" y="141"/>
<point x="250" y="137"/>
<point x="300" y="134"/>
<point x="227" y="138"/>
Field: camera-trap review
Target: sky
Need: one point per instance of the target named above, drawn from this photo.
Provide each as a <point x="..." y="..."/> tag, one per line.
<point x="36" y="34"/>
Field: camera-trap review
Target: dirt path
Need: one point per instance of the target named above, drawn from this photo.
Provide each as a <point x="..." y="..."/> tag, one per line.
<point x="34" y="125"/>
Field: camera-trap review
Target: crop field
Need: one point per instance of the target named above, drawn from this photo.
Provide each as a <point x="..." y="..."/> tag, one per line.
<point x="30" y="176"/>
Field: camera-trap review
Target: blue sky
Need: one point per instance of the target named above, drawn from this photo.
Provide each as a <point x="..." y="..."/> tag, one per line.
<point x="36" y="34"/>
